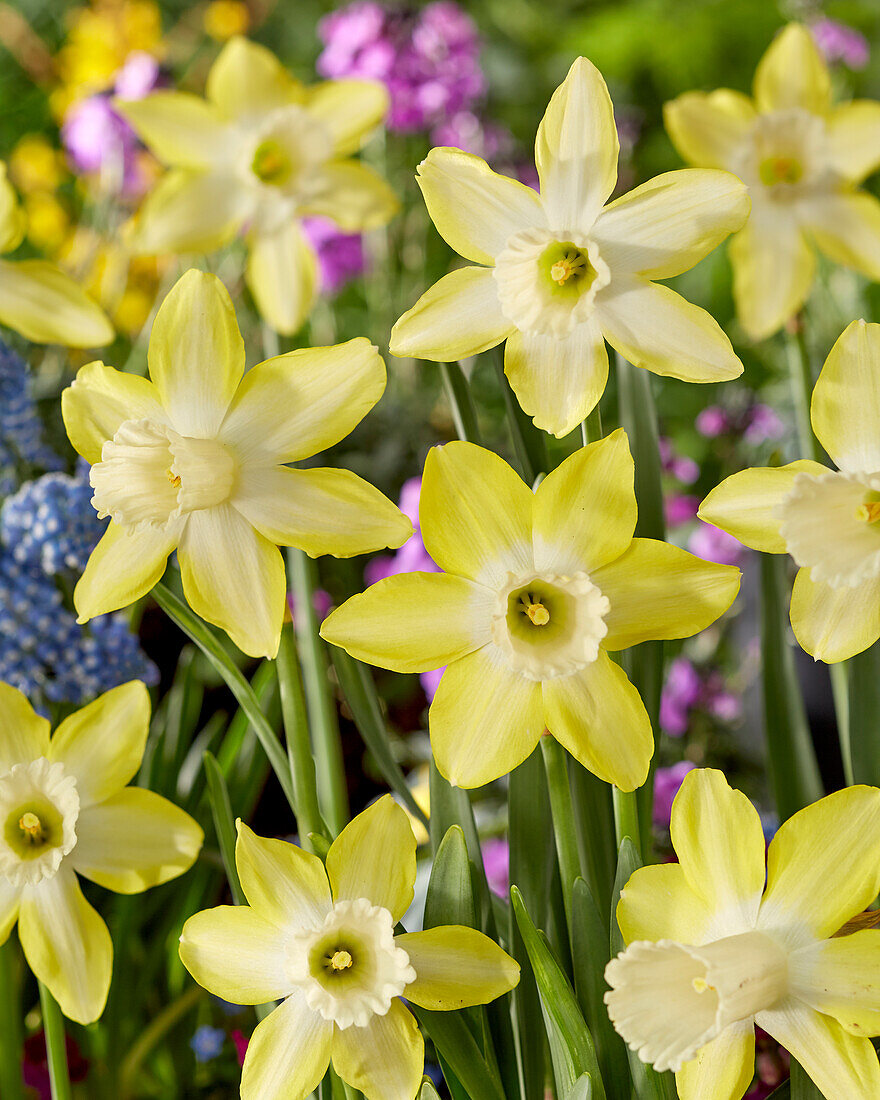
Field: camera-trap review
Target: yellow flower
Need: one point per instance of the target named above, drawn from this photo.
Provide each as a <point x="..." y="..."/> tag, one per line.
<point x="36" y="298"/>
<point x="323" y="942"/>
<point x="537" y="588"/>
<point x="802" y="158"/>
<point x="565" y="273"/>
<point x="825" y="519"/>
<point x="712" y="952"/>
<point x="226" y="18"/>
<point x="195" y="460"/>
<point x="261" y="152"/>
<point x="65" y="809"/>
<point x="36" y="165"/>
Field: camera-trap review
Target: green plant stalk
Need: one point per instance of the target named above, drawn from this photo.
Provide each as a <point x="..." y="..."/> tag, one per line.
<point x="11" y="1081"/>
<point x="159" y="1027"/>
<point x="562" y="811"/>
<point x="458" y="394"/>
<point x="626" y="817"/>
<point x="56" y="1048"/>
<point x="224" y="825"/>
<point x="529" y="442"/>
<point x="862" y="743"/>
<point x="801" y="375"/>
<point x="321" y="706"/>
<point x="840" y="691"/>
<point x="299" y="746"/>
<point x="591" y="428"/>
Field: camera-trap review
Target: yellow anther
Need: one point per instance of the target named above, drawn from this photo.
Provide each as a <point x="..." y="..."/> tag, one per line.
<point x="271" y="164"/>
<point x="869" y="512"/>
<point x="31" y="825"/>
<point x="780" y="170"/>
<point x="701" y="985"/>
<point x="535" y="610"/>
<point x="572" y="263"/>
<point x="341" y="960"/>
<point x="174" y="479"/>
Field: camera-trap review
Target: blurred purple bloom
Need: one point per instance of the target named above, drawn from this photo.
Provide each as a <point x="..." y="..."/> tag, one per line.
<point x="465" y="131"/>
<point x="430" y="681"/>
<point x="496" y="860"/>
<point x="340" y="255"/>
<point x="321" y="601"/>
<point x="207" y="1042"/>
<point x="666" y="784"/>
<point x="680" y="508"/>
<point x="724" y="705"/>
<point x="683" y="469"/>
<point x="838" y="42"/>
<point x="713" y="544"/>
<point x="763" y="425"/>
<point x="681" y="691"/>
<point x="138" y="76"/>
<point x="712" y="421"/>
<point x="409" y="500"/>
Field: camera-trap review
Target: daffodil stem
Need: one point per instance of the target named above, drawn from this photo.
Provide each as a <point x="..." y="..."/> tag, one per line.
<point x="861" y="746"/>
<point x="591" y="428"/>
<point x="56" y="1047"/>
<point x="529" y="442"/>
<point x="840" y="690"/>
<point x="332" y="789"/>
<point x="801" y="374"/>
<point x="562" y="811"/>
<point x="11" y="1085"/>
<point x="458" y="394"/>
<point x="626" y="817"/>
<point x="299" y="745"/>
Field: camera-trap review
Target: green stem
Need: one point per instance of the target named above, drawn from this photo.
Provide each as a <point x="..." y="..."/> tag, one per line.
<point x="562" y="811"/>
<point x="626" y="817"/>
<point x="861" y="747"/>
<point x="840" y="688"/>
<point x="801" y="375"/>
<point x="323" y="722"/>
<point x="56" y="1049"/>
<point x="11" y="1083"/>
<point x="529" y="442"/>
<point x="159" y="1027"/>
<point x="458" y="393"/>
<point x="591" y="428"/>
<point x="299" y="746"/>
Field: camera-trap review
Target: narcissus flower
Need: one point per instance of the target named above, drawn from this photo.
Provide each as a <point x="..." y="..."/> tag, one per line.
<point x="827" y="520"/>
<point x="261" y="152"/>
<point x="323" y="942"/>
<point x="36" y="298"/>
<point x="802" y="158"/>
<point x="195" y="460"/>
<point x="712" y="951"/>
<point x="564" y="273"/>
<point x="538" y="587"/>
<point x="65" y="809"/>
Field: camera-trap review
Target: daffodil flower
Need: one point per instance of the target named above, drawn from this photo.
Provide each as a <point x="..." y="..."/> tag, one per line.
<point x="538" y="587"/>
<point x="195" y="460"/>
<point x="65" y="810"/>
<point x="261" y="152"/>
<point x="36" y="298"/>
<point x="712" y="951"/>
<point x="802" y="158"/>
<point x="563" y="272"/>
<point x="323" y="942"/>
<point x="826" y="519"/>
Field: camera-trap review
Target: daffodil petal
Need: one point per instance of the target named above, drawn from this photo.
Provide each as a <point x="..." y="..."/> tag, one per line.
<point x="585" y="510"/>
<point x="823" y="865"/>
<point x="475" y="514"/>
<point x="599" y="717"/>
<point x="354" y="196"/>
<point x="833" y="624"/>
<point x="234" y="578"/>
<point x="13" y="220"/>
<point x="384" y="1059"/>
<point x="10" y="902"/>
<point x="248" y="79"/>
<point x="134" y="840"/>
<point x="235" y="953"/>
<point x="717" y="836"/>
<point x="99" y="399"/>
<point x="840" y="977"/>
<point x="457" y="317"/>
<point x="709" y="129"/>
<point x="658" y="903"/>
<point x="657" y="590"/>
<point x="67" y="945"/>
<point x="557" y="380"/>
<point x="374" y="857"/>
<point x="456" y="967"/>
<point x="576" y="148"/>
<point x="290" y="407"/>
<point x="853" y="138"/>
<point x="282" y="273"/>
<point x="189" y="210"/>
<point x="320" y="511"/>
<point x="47" y="307"/>
<point x="25" y="733"/>
<point x="840" y="1065"/>
<point x="288" y="1053"/>
<point x="284" y="883"/>
<point x="181" y="129"/>
<point x="846" y="227"/>
<point x="102" y="744"/>
<point x="485" y="719"/>
<point x="196" y="354"/>
<point x="124" y="566"/>
<point x="746" y="504"/>
<point x="670" y="223"/>
<point x="792" y="74"/>
<point x="724" y="1067"/>
<point x="474" y="209"/>
<point x="655" y="328"/>
<point x="845" y="409"/>
<point x="351" y="110"/>
<point x="773" y="270"/>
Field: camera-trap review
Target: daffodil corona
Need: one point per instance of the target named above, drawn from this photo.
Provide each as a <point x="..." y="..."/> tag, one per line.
<point x="802" y="158"/>
<point x="537" y="588"/>
<point x="195" y="460"/>
<point x="712" y="951"/>
<point x="323" y="942"/>
<point x="65" y="809"/>
<point x="564" y="272"/>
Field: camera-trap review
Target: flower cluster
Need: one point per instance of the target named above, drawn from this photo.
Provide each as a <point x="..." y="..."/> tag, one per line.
<point x="21" y="431"/>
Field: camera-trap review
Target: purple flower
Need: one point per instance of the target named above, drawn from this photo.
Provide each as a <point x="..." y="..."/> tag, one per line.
<point x="465" y="131"/>
<point x="496" y="860"/>
<point x="713" y="544"/>
<point x="683" y="469"/>
<point x="430" y="681"/>
<point x="724" y="705"/>
<point x="838" y="42"/>
<point x="138" y="76"/>
<point x="340" y="255"/>
<point x="712" y="421"/>
<point x="666" y="785"/>
<point x="681" y="691"/>
<point x="680" y="508"/>
<point x="763" y="425"/>
<point x="321" y="601"/>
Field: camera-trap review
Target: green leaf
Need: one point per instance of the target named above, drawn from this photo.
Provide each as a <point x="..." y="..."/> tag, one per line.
<point x="582" y="1089"/>
<point x="529" y="442"/>
<point x="453" y="1039"/>
<point x="802" y="1087"/>
<point x="450" y="898"/>
<point x="864" y="709"/>
<point x="427" y="1091"/>
<point x="224" y="825"/>
<point x="461" y="403"/>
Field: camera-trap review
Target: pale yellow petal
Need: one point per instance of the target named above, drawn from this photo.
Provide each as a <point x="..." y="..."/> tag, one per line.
<point x="841" y="977"/>
<point x="180" y="128"/>
<point x="320" y="511"/>
<point x="48" y="307"/>
<point x="99" y="399"/>
<point x="13" y="220"/>
<point x="456" y="967"/>
<point x="351" y="110"/>
<point x="846" y="227"/>
<point x="385" y="1059"/>
<point x="189" y="211"/>
<point x="285" y="884"/>
<point x="457" y="317"/>
<point x="853" y="138"/>
<point x="833" y="624"/>
<point x="352" y="195"/>
<point x="709" y="129"/>
<point x="124" y="566"/>
<point x="557" y="381"/>
<point x="10" y="901"/>
<point x="657" y="590"/>
<point x="792" y="74"/>
<point x="599" y="717"/>
<point x="845" y="409"/>
<point x="102" y="744"/>
<point x="248" y="80"/>
<point x="134" y="840"/>
<point x="723" y="1069"/>
<point x="282" y="274"/>
<point x="475" y="210"/>
<point x="25" y="733"/>
<point x="658" y="903"/>
<point x="773" y="270"/>
<point x="374" y="857"/>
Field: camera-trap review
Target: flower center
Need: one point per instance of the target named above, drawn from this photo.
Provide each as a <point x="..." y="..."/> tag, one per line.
<point x="775" y="170"/>
<point x="787" y="156"/>
<point x="869" y="510"/>
<point x="341" y="960"/>
<point x="32" y="828"/>
<point x="39" y="807"/>
<point x="535" y="610"/>
<point x="272" y="163"/>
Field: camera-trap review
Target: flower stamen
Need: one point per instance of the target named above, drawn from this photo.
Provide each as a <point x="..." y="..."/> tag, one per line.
<point x="534" y="609"/>
<point x="32" y="827"/>
<point x="341" y="960"/>
<point x="572" y="264"/>
<point x="780" y="169"/>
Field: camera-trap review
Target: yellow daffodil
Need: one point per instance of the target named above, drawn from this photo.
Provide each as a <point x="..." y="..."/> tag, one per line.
<point x="564" y="272"/>
<point x="65" y="809"/>
<point x="712" y="951"/>
<point x="195" y="460"/>
<point x="36" y="298"/>
<point x="537" y="587"/>
<point x="323" y="942"/>
<point x="802" y="158"/>
<point x="261" y="152"/>
<point x="826" y="519"/>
